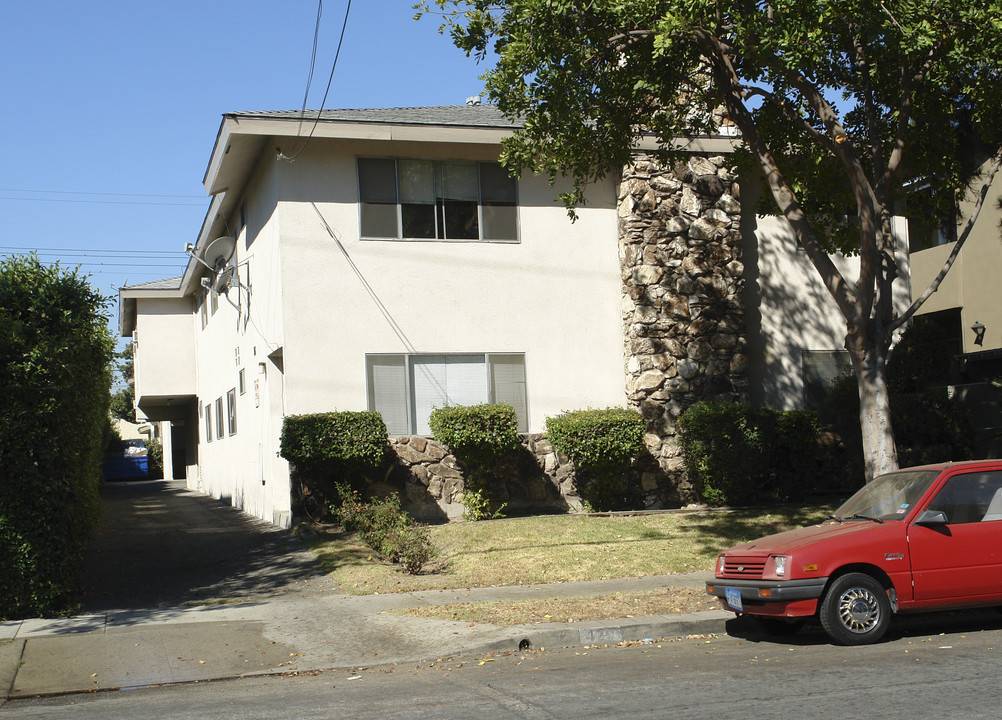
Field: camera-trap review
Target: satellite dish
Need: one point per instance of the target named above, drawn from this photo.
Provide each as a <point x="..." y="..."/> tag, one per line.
<point x="219" y="252"/>
<point x="223" y="279"/>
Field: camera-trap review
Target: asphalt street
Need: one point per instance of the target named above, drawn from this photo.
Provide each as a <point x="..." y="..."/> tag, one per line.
<point x="748" y="676"/>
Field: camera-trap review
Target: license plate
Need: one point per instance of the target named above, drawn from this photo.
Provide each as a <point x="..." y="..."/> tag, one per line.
<point x="733" y="598"/>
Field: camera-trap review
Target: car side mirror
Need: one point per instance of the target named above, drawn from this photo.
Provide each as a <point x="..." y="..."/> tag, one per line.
<point x="931" y="517"/>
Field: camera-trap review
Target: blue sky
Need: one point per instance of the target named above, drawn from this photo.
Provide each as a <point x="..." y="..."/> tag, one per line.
<point x="110" y="109"/>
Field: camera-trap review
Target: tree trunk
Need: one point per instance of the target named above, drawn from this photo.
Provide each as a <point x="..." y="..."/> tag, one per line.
<point x="869" y="360"/>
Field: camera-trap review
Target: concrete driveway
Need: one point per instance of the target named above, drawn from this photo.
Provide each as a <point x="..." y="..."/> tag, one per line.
<point x="159" y="544"/>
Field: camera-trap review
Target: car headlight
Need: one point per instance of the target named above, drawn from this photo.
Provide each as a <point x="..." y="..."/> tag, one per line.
<point x="779" y="565"/>
<point x="720" y="565"/>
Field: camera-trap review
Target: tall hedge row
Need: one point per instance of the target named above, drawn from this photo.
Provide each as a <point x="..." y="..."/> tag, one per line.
<point x="740" y="454"/>
<point x="55" y="380"/>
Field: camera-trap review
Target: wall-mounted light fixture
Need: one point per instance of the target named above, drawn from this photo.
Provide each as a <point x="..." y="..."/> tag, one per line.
<point x="979" y="333"/>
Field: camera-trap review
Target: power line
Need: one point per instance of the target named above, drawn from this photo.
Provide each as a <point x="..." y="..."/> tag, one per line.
<point x="109" y="251"/>
<point x="84" y="192"/>
<point x="330" y="80"/>
<point x="103" y="202"/>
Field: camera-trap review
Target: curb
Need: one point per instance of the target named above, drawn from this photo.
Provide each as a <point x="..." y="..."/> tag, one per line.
<point x="510" y="639"/>
<point x="658" y="627"/>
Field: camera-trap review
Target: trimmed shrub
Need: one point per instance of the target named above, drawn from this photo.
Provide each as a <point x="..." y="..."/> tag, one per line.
<point x="55" y="381"/>
<point x="479" y="436"/>
<point x="602" y="444"/>
<point x="739" y="454"/>
<point x="327" y="447"/>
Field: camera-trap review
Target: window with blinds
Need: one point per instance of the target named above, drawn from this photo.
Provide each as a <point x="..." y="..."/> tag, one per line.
<point x="436" y="200"/>
<point x="404" y="389"/>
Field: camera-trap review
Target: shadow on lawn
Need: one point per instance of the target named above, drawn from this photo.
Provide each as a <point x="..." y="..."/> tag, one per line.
<point x="720" y="530"/>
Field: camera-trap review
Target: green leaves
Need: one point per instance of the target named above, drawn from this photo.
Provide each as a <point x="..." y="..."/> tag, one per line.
<point x="478" y="435"/>
<point x="598" y="440"/>
<point x="346" y="438"/>
<point x="55" y="351"/>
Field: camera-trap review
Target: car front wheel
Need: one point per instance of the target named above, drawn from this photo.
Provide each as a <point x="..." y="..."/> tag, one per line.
<point x="855" y="610"/>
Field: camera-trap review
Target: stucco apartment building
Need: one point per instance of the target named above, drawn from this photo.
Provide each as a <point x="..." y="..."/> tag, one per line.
<point x="383" y="260"/>
<point x="967" y="307"/>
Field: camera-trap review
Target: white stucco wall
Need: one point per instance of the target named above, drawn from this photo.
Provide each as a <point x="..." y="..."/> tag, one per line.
<point x="789" y="311"/>
<point x="246" y="329"/>
<point x="165" y="347"/>
<point x="554" y="296"/>
<point x="310" y="308"/>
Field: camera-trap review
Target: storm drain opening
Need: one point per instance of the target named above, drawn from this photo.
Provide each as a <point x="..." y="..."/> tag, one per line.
<point x="525" y="644"/>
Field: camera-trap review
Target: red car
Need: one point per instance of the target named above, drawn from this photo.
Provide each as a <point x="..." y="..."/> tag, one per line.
<point x="923" y="538"/>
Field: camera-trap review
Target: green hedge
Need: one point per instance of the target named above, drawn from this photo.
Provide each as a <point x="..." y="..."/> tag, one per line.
<point x="739" y="454"/>
<point x="602" y="444"/>
<point x="326" y="447"/>
<point x="478" y="435"/>
<point x="55" y="381"/>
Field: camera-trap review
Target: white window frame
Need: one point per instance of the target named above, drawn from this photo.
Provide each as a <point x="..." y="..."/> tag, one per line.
<point x="231" y="411"/>
<point x="491" y="361"/>
<point x="440" y="233"/>
<point x="220" y="426"/>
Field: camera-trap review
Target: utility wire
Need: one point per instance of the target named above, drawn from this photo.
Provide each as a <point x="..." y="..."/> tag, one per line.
<point x="91" y="250"/>
<point x="83" y="192"/>
<point x="103" y="202"/>
<point x="330" y="80"/>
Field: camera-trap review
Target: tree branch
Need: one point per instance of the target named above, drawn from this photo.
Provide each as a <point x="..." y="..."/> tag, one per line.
<point x="837" y="285"/>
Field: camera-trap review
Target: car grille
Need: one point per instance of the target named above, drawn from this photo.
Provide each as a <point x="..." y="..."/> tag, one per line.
<point x="744" y="567"/>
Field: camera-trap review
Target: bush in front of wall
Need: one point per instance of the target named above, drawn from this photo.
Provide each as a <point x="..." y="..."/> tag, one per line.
<point x="332" y="446"/>
<point x="739" y="454"/>
<point x="385" y="528"/>
<point x="602" y="444"/>
<point x="479" y="436"/>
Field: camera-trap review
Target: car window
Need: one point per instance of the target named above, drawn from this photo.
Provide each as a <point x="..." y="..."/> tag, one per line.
<point x="972" y="497"/>
<point x="888" y="497"/>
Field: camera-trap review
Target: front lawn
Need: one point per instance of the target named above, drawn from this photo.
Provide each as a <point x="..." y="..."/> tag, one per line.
<point x="560" y="548"/>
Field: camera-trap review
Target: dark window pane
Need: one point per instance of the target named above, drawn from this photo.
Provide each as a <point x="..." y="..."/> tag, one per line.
<point x="379" y="220"/>
<point x="377" y="180"/>
<point x="418" y="221"/>
<point x="377" y="190"/>
<point x="495" y="185"/>
<point x="500" y="222"/>
<point x="460" y="219"/>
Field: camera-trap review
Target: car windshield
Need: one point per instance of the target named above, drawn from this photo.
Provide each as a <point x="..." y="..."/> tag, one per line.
<point x="888" y="497"/>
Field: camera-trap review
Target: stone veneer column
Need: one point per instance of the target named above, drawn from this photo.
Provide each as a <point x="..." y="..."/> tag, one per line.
<point x="683" y="277"/>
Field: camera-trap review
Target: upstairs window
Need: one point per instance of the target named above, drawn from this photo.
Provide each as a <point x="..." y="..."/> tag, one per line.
<point x="433" y="200"/>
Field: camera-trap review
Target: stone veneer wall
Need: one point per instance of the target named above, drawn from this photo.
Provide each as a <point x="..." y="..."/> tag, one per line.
<point x="683" y="318"/>
<point x="433" y="482"/>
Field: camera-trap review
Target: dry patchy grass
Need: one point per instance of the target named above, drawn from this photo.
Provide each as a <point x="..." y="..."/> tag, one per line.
<point x="673" y="601"/>
<point x="560" y="548"/>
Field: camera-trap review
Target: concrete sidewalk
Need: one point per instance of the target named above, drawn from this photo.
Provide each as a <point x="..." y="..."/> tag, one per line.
<point x="297" y="633"/>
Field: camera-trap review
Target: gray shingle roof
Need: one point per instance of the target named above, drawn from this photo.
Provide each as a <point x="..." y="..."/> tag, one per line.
<point x="173" y="283"/>
<point x="456" y="115"/>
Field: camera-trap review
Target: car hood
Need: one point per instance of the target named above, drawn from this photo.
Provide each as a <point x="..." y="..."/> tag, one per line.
<point x="792" y="540"/>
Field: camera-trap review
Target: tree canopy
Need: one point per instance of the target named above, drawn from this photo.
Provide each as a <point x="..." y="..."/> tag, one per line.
<point x="846" y="106"/>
